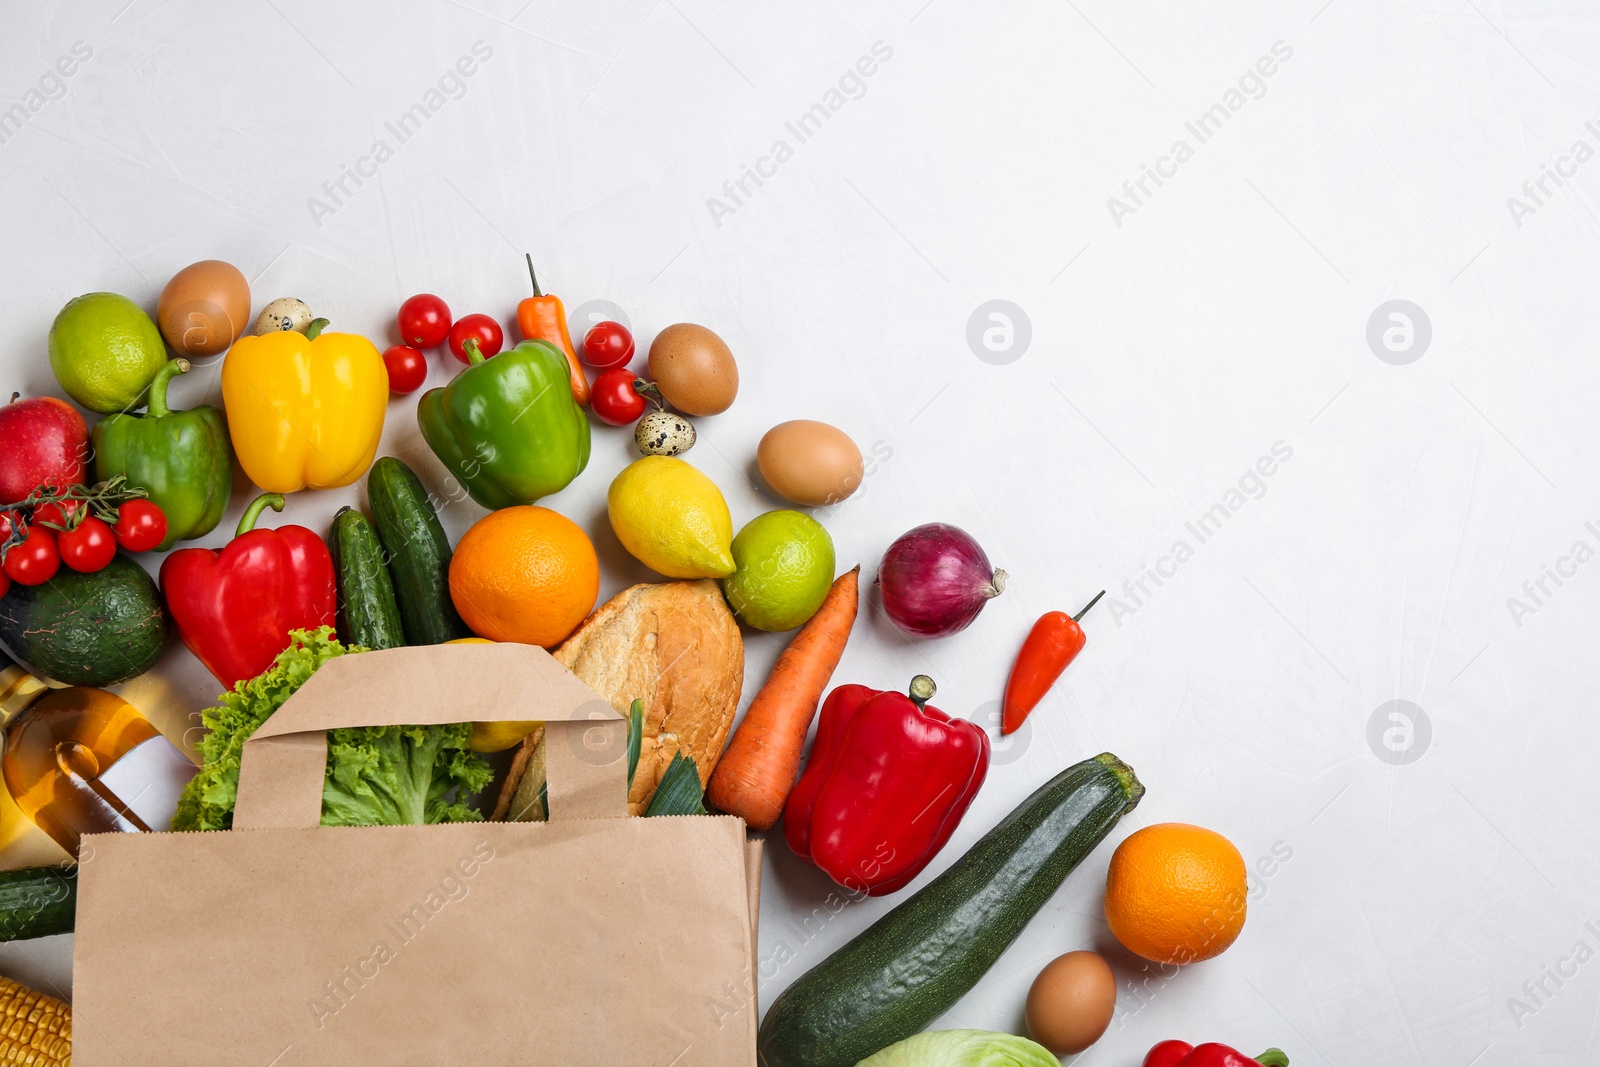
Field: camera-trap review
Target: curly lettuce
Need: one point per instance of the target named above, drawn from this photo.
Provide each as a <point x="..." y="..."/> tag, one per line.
<point x="376" y="775"/>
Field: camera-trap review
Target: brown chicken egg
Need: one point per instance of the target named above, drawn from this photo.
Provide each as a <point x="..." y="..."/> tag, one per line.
<point x="1071" y="1002"/>
<point x="809" y="462"/>
<point x="204" y="308"/>
<point x="694" y="369"/>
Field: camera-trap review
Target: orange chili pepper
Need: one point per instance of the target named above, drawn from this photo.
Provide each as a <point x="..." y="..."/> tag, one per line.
<point x="1055" y="641"/>
<point x="543" y="318"/>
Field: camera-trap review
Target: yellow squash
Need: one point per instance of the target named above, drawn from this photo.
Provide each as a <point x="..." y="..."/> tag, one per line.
<point x="304" y="410"/>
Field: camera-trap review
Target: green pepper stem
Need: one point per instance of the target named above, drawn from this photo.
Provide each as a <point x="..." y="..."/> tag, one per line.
<point x="1089" y="605"/>
<point x="247" y="521"/>
<point x="1273" y="1057"/>
<point x="532" y="276"/>
<point x="922" y="690"/>
<point x="156" y="407"/>
<point x="315" y="329"/>
<point x="475" y="355"/>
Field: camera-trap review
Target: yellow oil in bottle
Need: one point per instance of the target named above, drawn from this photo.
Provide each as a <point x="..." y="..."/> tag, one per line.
<point x="61" y="748"/>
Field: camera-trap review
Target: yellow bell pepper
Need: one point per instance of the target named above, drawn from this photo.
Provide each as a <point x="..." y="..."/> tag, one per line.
<point x="304" y="410"/>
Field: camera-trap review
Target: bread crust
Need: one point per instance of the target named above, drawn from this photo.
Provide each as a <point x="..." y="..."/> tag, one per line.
<point x="676" y="646"/>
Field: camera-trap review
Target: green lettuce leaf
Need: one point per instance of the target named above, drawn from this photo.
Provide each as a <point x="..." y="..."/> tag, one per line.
<point x="963" y="1048"/>
<point x="376" y="776"/>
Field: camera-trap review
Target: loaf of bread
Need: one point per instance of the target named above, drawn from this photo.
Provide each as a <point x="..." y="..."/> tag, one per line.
<point x="674" y="645"/>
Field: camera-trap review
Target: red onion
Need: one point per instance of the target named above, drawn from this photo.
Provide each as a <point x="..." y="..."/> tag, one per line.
<point x="935" y="579"/>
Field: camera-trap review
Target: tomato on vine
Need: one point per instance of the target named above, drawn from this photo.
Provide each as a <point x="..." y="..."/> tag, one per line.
<point x="140" y="525"/>
<point x="36" y="560"/>
<point x="615" y="397"/>
<point x="88" y="547"/>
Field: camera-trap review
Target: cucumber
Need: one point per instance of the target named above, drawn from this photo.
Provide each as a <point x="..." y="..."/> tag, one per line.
<point x="418" y="553"/>
<point x="37" y="901"/>
<point x="909" y="967"/>
<point x="87" y="629"/>
<point x="368" y="614"/>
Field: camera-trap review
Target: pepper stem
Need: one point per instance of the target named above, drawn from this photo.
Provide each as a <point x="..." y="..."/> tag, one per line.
<point x="1089" y="605"/>
<point x="247" y="521"/>
<point x="534" y="278"/>
<point x="156" y="407"/>
<point x="1273" y="1057"/>
<point x="922" y="690"/>
<point x="475" y="355"/>
<point x="316" y="328"/>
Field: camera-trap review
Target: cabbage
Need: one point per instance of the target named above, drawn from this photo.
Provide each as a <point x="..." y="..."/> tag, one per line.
<point x="376" y="775"/>
<point x="963" y="1048"/>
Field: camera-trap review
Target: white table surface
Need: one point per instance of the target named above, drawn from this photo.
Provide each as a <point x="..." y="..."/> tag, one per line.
<point x="1172" y="346"/>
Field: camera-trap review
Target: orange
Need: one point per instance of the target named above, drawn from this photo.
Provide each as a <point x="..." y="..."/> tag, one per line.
<point x="525" y="574"/>
<point x="1176" y="893"/>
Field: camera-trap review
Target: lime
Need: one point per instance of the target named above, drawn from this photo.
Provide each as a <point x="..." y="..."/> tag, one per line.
<point x="783" y="567"/>
<point x="672" y="518"/>
<point x="105" y="350"/>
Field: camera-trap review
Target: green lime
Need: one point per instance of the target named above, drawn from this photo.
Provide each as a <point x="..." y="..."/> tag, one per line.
<point x="783" y="568"/>
<point x="105" y="350"/>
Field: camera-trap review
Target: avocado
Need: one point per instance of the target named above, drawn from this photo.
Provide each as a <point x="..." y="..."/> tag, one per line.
<point x="87" y="629"/>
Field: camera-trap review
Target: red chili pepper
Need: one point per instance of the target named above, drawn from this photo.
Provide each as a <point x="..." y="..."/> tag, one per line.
<point x="1183" y="1054"/>
<point x="235" y="608"/>
<point x="543" y="318"/>
<point x="1055" y="641"/>
<point x="888" y="781"/>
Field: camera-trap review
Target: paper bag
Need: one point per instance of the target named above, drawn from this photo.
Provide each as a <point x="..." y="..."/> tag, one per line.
<point x="591" y="939"/>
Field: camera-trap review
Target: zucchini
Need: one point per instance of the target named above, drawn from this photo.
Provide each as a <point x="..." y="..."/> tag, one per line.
<point x="37" y="901"/>
<point x="909" y="967"/>
<point x="418" y="553"/>
<point x="368" y="614"/>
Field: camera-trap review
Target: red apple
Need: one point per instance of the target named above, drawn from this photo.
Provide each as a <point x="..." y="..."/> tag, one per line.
<point x="43" y="441"/>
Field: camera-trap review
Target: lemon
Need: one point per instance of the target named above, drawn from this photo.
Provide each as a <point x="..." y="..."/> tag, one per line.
<point x="672" y="518"/>
<point x="104" y="350"/>
<point x="494" y="736"/>
<point x="783" y="564"/>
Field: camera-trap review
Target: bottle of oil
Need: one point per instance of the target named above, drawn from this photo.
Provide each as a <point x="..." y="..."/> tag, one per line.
<point x="84" y="761"/>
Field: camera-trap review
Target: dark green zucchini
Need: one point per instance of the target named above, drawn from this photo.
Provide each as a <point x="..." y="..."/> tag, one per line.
<point x="368" y="614"/>
<point x="37" y="901"/>
<point x="418" y="553"/>
<point x="909" y="967"/>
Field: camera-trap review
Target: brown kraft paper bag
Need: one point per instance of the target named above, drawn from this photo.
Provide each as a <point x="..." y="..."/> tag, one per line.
<point x="590" y="939"/>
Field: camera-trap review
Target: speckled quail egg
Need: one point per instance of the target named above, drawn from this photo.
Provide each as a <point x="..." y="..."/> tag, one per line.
<point x="664" y="433"/>
<point x="284" y="313"/>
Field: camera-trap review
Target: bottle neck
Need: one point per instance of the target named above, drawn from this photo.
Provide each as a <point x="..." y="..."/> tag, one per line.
<point x="18" y="689"/>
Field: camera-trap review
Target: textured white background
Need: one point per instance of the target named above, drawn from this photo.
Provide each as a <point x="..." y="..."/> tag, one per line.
<point x="1168" y="354"/>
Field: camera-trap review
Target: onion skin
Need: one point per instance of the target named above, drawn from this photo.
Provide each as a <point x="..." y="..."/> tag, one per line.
<point x="935" y="579"/>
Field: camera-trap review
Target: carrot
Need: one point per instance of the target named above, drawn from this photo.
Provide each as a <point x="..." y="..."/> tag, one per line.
<point x="759" y="768"/>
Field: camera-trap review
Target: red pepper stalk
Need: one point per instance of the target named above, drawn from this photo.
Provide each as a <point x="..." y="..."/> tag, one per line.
<point x="888" y="781"/>
<point x="235" y="608"/>
<point x="1183" y="1054"/>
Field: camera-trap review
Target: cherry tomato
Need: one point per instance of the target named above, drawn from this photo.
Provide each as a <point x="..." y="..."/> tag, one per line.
<point x="607" y="344"/>
<point x="408" y="369"/>
<point x="424" y="321"/>
<point x="9" y="521"/>
<point x="480" y="328"/>
<point x="613" y="398"/>
<point x="89" y="547"/>
<point x="36" y="560"/>
<point x="140" y="526"/>
<point x="61" y="512"/>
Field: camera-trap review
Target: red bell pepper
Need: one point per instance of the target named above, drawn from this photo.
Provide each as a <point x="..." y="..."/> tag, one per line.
<point x="1183" y="1054"/>
<point x="235" y="608"/>
<point x="888" y="781"/>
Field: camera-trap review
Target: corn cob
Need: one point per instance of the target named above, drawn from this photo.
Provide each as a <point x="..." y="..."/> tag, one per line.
<point x="35" y="1030"/>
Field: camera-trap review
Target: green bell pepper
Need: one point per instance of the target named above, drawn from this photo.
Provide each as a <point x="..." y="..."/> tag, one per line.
<point x="508" y="427"/>
<point x="182" y="459"/>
